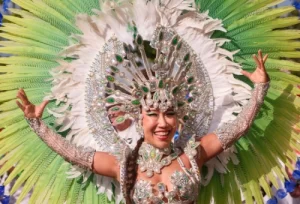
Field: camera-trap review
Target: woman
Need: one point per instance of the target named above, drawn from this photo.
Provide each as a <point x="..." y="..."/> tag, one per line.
<point x="157" y="158"/>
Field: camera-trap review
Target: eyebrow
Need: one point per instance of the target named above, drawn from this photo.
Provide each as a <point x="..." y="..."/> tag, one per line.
<point x="155" y="109"/>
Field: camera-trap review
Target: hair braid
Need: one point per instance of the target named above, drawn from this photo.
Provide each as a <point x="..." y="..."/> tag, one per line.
<point x="131" y="174"/>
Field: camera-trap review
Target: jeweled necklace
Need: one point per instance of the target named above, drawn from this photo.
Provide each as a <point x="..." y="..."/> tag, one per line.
<point x="151" y="158"/>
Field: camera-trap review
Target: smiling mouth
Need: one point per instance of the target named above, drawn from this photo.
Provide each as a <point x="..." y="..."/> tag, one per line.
<point x="162" y="135"/>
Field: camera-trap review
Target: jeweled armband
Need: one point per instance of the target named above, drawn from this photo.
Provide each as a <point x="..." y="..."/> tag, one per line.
<point x="79" y="156"/>
<point x="230" y="132"/>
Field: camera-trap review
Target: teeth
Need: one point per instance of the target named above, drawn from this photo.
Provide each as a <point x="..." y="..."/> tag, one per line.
<point x="162" y="133"/>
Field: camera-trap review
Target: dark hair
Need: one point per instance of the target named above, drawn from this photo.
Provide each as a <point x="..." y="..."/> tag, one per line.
<point x="131" y="171"/>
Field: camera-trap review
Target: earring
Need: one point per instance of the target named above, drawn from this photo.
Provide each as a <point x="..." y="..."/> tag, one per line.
<point x="139" y="126"/>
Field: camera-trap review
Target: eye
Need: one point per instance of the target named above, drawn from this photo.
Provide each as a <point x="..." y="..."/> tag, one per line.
<point x="152" y="114"/>
<point x="170" y="113"/>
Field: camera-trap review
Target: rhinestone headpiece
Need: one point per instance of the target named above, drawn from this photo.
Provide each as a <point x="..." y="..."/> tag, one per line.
<point x="165" y="82"/>
<point x="163" y="73"/>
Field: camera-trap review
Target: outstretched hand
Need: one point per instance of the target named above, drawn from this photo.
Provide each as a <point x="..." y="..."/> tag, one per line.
<point x="29" y="109"/>
<point x="260" y="74"/>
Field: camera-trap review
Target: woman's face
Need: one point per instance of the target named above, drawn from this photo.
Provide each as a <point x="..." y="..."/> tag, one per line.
<point x="159" y="127"/>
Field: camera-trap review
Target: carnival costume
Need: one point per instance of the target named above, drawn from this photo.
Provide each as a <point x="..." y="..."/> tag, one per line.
<point x="91" y="56"/>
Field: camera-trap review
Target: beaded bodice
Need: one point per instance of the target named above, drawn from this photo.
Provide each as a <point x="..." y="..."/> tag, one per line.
<point x="184" y="183"/>
<point x="184" y="189"/>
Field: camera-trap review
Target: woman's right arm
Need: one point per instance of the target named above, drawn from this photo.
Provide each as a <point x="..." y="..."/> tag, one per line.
<point x="99" y="162"/>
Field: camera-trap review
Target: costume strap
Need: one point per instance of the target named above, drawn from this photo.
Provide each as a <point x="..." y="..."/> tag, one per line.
<point x="192" y="150"/>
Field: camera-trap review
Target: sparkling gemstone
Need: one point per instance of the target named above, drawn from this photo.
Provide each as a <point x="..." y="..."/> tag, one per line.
<point x="152" y="154"/>
<point x="145" y="89"/>
<point x="186" y="57"/>
<point x="175" y="90"/>
<point x="114" y="69"/>
<point x="179" y="45"/>
<point x="120" y="119"/>
<point x="126" y="49"/>
<point x="149" y="173"/>
<point x="157" y="170"/>
<point x="139" y="40"/>
<point x="190" y="99"/>
<point x="136" y="102"/>
<point x="190" y="79"/>
<point x="119" y="58"/>
<point x="175" y="40"/>
<point x="135" y="29"/>
<point x="185" y="118"/>
<point x="110" y="100"/>
<point x="161" y="187"/>
<point x="110" y="78"/>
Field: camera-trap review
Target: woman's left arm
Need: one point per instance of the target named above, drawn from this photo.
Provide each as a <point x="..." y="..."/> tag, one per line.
<point x="216" y="142"/>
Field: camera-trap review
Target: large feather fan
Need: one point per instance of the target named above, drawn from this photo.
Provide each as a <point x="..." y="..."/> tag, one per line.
<point x="53" y="43"/>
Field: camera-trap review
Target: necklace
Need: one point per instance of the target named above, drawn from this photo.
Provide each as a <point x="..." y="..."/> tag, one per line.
<point x="151" y="158"/>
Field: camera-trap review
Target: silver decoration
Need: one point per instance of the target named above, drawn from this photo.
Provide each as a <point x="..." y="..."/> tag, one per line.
<point x="185" y="183"/>
<point x="151" y="159"/>
<point x="116" y="78"/>
<point x="184" y="190"/>
<point x="231" y="132"/>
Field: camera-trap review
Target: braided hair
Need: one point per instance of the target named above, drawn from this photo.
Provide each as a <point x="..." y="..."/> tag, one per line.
<point x="131" y="171"/>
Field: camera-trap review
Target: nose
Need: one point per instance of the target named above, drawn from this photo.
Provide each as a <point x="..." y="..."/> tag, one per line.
<point x="162" y="121"/>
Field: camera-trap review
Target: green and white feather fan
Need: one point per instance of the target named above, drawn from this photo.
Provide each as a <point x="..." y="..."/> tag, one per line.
<point x="53" y="43"/>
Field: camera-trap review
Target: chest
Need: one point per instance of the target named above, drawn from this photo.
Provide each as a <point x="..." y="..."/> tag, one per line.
<point x="175" y="184"/>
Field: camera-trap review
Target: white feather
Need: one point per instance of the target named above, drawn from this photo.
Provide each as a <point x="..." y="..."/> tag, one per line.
<point x="196" y="29"/>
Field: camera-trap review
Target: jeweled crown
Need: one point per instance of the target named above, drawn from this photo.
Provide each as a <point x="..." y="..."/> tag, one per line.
<point x="162" y="73"/>
<point x="163" y="83"/>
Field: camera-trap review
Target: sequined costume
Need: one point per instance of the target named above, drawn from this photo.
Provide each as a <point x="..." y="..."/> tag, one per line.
<point x="88" y="56"/>
<point x="186" y="182"/>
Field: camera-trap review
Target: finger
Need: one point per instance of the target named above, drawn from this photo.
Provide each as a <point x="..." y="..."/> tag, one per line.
<point x="20" y="105"/>
<point x="23" y="98"/>
<point x="263" y="68"/>
<point x="43" y="105"/>
<point x="265" y="58"/>
<point x="24" y="94"/>
<point x="256" y="61"/>
<point x="260" y="55"/>
<point x="247" y="74"/>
